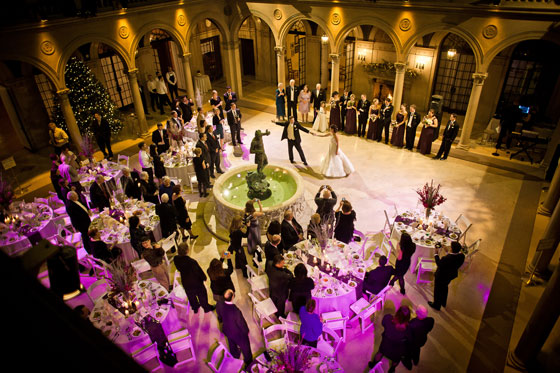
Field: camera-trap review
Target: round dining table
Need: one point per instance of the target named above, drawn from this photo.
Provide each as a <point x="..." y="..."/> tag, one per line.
<point x="318" y="362"/>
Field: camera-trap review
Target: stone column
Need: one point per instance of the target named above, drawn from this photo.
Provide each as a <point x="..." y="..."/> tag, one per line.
<point x="280" y="64"/>
<point x="324" y="65"/>
<point x="335" y="76"/>
<point x="478" y="82"/>
<point x="541" y="260"/>
<point x="188" y="74"/>
<point x="399" y="86"/>
<point x="552" y="196"/>
<point x="69" y="118"/>
<point x="233" y="67"/>
<point x="137" y="100"/>
<point x="539" y="326"/>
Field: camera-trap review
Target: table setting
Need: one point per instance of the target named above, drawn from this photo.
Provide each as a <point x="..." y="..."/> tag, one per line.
<point x="295" y="358"/>
<point x="111" y="172"/>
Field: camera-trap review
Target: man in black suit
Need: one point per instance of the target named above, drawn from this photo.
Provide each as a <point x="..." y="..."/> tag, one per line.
<point x="419" y="328"/>
<point x="102" y="132"/>
<point x="192" y="279"/>
<point x="447" y="270"/>
<point x="201" y="143"/>
<point x="234" y="328"/>
<point x="363" y="114"/>
<point x="129" y="183"/>
<point x="186" y="106"/>
<point x="292" y="98"/>
<point x="213" y="143"/>
<point x="230" y="97"/>
<point x="411" y="125"/>
<point x="79" y="217"/>
<point x="234" y="121"/>
<point x="99" y="193"/>
<point x="160" y="138"/>
<point x="272" y="248"/>
<point x="449" y="135"/>
<point x="291" y="132"/>
<point x="385" y="114"/>
<point x="279" y="279"/>
<point x="167" y="216"/>
<point x="292" y="232"/>
<point x="317" y="96"/>
<point x="343" y="103"/>
<point x="511" y="115"/>
<point x="325" y="199"/>
<point x="378" y="278"/>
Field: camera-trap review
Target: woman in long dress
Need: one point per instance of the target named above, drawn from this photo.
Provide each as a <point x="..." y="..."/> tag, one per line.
<point x="254" y="231"/>
<point x="320" y="124"/>
<point x="429" y="125"/>
<point x="216" y="103"/>
<point x="334" y="119"/>
<point x="335" y="163"/>
<point x="373" y="120"/>
<point x="397" y="139"/>
<point x="280" y="102"/>
<point x="304" y="99"/>
<point x="351" y="116"/>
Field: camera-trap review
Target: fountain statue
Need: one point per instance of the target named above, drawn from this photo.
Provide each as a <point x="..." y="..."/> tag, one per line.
<point x="256" y="180"/>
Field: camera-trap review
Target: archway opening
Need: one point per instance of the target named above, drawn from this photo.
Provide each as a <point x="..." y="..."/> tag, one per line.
<point x="205" y="44"/>
<point x="257" y="50"/>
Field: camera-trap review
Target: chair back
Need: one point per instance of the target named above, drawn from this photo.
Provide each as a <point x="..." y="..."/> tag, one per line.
<point x="181" y="344"/>
<point x="270" y="340"/>
<point x="291" y="329"/>
<point x="219" y="354"/>
<point x="464" y="224"/>
<point x="388" y="224"/>
<point x="169" y="243"/>
<point x="147" y="356"/>
<point x="253" y="299"/>
<point x="251" y="272"/>
<point x="330" y="338"/>
<point x="123" y="160"/>
<point x="474" y="247"/>
<point x="100" y="286"/>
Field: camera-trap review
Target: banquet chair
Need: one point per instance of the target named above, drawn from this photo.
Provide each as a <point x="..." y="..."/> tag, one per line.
<point x="363" y="311"/>
<point x="396" y="211"/>
<point x="335" y="321"/>
<point x="126" y="159"/>
<point x="258" y="283"/>
<point x="292" y="327"/>
<point x="261" y="265"/>
<point x="63" y="220"/>
<point x="182" y="346"/>
<point x="44" y="201"/>
<point x="97" y="290"/>
<point x="464" y="224"/>
<point x="169" y="243"/>
<point x="472" y="249"/>
<point x="355" y="244"/>
<point x="378" y="368"/>
<point x="329" y="342"/>
<point x="148" y="358"/>
<point x="425" y="265"/>
<point x="265" y="309"/>
<point x="274" y="337"/>
<point x="142" y="267"/>
<point x="222" y="361"/>
<point x="191" y="174"/>
<point x="383" y="249"/>
<point x="73" y="238"/>
<point x="388" y="226"/>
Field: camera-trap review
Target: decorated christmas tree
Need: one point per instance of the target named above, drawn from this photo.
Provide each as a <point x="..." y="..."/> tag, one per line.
<point x="87" y="96"/>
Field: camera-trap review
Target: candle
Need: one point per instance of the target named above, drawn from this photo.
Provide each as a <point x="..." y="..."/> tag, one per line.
<point x="137" y="304"/>
<point x="314" y="260"/>
<point x="125" y="305"/>
<point x="126" y="313"/>
<point x="328" y="267"/>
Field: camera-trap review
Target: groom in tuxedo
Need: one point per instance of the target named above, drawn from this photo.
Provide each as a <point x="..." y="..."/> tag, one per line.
<point x="411" y="125"/>
<point x="291" y="132"/>
<point x="449" y="135"/>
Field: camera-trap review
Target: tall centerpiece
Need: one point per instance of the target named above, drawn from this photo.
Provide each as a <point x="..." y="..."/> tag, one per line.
<point x="430" y="197"/>
<point x="294" y="358"/>
<point x="256" y="180"/>
<point x="121" y="283"/>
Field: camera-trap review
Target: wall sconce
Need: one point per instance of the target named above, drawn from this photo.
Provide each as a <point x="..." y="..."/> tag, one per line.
<point x="362" y="55"/>
<point x="451" y="53"/>
<point x="421" y="62"/>
<point x="324" y="39"/>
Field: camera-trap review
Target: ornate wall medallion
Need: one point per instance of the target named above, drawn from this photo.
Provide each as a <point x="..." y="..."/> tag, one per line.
<point x="490" y="32"/>
<point x="123" y="32"/>
<point x="181" y="19"/>
<point x="47" y="47"/>
<point x="277" y="14"/>
<point x="405" y="24"/>
<point x="335" y="19"/>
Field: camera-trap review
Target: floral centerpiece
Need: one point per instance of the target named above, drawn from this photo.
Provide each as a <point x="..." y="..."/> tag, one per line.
<point x="87" y="148"/>
<point x="6" y="195"/>
<point x="430" y="197"/>
<point x="387" y="68"/>
<point x="121" y="284"/>
<point x="321" y="232"/>
<point x="294" y="358"/>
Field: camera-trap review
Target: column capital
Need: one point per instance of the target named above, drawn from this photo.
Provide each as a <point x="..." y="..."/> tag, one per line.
<point x="187" y="56"/>
<point x="133" y="72"/>
<point x="334" y="57"/>
<point x="63" y="93"/>
<point x="479" y="78"/>
<point x="234" y="44"/>
<point x="279" y="50"/>
<point x="400" y="67"/>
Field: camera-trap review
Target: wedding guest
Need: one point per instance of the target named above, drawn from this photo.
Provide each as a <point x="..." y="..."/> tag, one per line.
<point x="64" y="188"/>
<point x="145" y="159"/>
<point x="334" y="119"/>
<point x="280" y="103"/>
<point x="291" y="98"/>
<point x="192" y="279"/>
<point x="174" y="127"/>
<point x="219" y="127"/>
<point x="321" y="123"/>
<point x="275" y="228"/>
<point x="201" y="120"/>
<point x="343" y="102"/>
<point x="252" y="216"/>
<point x="68" y="172"/>
<point x="55" y="177"/>
<point x="160" y="138"/>
<point x="183" y="218"/>
<point x="58" y="138"/>
<point x="279" y="279"/>
<point x="300" y="287"/>
<point x="137" y="232"/>
<point x="447" y="270"/>
<point x="317" y="96"/>
<point x="102" y="133"/>
<point x="304" y="99"/>
<point x="363" y="115"/>
<point x="449" y="135"/>
<point x="272" y="248"/>
<point x="406" y="249"/>
<point x="314" y="226"/>
<point x="79" y="217"/>
<point x="149" y="188"/>
<point x="70" y="157"/>
<point x="350" y="127"/>
<point x="186" y="106"/>
<point x="99" y="193"/>
<point x="167" y="216"/>
<point x="411" y="124"/>
<point x="376" y="279"/>
<point x="166" y="186"/>
<point x="130" y="183"/>
<point x="100" y="249"/>
<point x="374" y="122"/>
<point x="325" y="199"/>
<point x="159" y="170"/>
<point x="234" y="122"/>
<point x="345" y="217"/>
<point x="200" y="167"/>
<point x="292" y="232"/>
<point x="155" y="256"/>
<point x="82" y="311"/>
<point x="230" y="97"/>
<point x="419" y="327"/>
<point x="238" y="230"/>
<point x="311" y="325"/>
<point x="217" y="103"/>
<point x="152" y="88"/>
<point x="385" y="115"/>
<point x="397" y="139"/>
<point x="511" y="115"/>
<point x="161" y="90"/>
<point x="220" y="278"/>
<point x="429" y="124"/>
<point x="171" y="79"/>
<point x="214" y="148"/>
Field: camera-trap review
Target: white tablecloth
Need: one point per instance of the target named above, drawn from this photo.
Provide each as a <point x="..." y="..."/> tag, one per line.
<point x="111" y="170"/>
<point x="180" y="172"/>
<point x="202" y="82"/>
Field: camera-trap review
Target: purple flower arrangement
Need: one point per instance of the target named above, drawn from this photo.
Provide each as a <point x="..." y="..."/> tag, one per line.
<point x="430" y="196"/>
<point x="87" y="147"/>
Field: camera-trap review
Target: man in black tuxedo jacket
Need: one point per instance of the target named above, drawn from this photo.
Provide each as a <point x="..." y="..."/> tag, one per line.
<point x="129" y="183"/>
<point x="292" y="232"/>
<point x="99" y="193"/>
<point x="167" y="216"/>
<point x="363" y="114"/>
<point x="234" y="121"/>
<point x="230" y="97"/>
<point x="213" y="143"/>
<point x="385" y="114"/>
<point x="79" y="217"/>
<point x="102" y="132"/>
<point x="411" y="125"/>
<point x="279" y="279"/>
<point x="447" y="270"/>
<point x="317" y="96"/>
<point x="186" y="106"/>
<point x="378" y="278"/>
<point x="291" y="132"/>
<point x="449" y="135"/>
<point x="234" y="328"/>
<point x="292" y="98"/>
<point x="343" y="103"/>
<point x="325" y="199"/>
<point x="201" y="143"/>
<point x="160" y="138"/>
<point x="272" y="248"/>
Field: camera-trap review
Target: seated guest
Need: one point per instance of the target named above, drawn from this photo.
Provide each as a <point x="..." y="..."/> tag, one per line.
<point x="100" y="248"/>
<point x="145" y="160"/>
<point x="395" y="338"/>
<point x="166" y="186"/>
<point x="311" y="325"/>
<point x="238" y="230"/>
<point x="79" y="217"/>
<point x="275" y="227"/>
<point x="271" y="248"/>
<point x="325" y="199"/>
<point x="137" y="232"/>
<point x="167" y="216"/>
<point x="344" y="226"/>
<point x="292" y="232"/>
<point x="183" y="218"/>
<point x="314" y="226"/>
<point x="279" y="280"/>
<point x="160" y="138"/>
<point x="220" y="278"/>
<point x="419" y="329"/>
<point x="159" y="170"/>
<point x="192" y="279"/>
<point x="300" y="287"/>
<point x="155" y="256"/>
<point x="130" y="183"/>
<point x="82" y="311"/>
<point x="99" y="193"/>
<point x="149" y="188"/>
<point x="375" y="280"/>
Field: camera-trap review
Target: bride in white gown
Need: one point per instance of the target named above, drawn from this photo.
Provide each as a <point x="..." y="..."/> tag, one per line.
<point x="335" y="163"/>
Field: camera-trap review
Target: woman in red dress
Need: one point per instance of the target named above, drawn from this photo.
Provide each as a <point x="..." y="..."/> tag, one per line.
<point x="373" y="121"/>
<point x="351" y="116"/>
<point x="397" y="139"/>
<point x="429" y="125"/>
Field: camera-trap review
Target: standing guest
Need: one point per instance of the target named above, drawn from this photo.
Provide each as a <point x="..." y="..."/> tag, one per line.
<point x="292" y="232"/>
<point x="200" y="169"/>
<point x="149" y="188"/>
<point x="155" y="256"/>
<point x="251" y="216"/>
<point x="311" y="324"/>
<point x="213" y="143"/>
<point x="55" y="176"/>
<point x="313" y="226"/>
<point x="217" y="103"/>
<point x="279" y="279"/>
<point x="58" y="138"/>
<point x="317" y="96"/>
<point x="275" y="228"/>
<point x="171" y="79"/>
<point x="70" y="157"/>
<point x="510" y="117"/>
<point x="146" y="161"/>
<point x="79" y="217"/>
<point x="100" y="249"/>
<point x="350" y="127"/>
<point x="234" y="121"/>
<point x="192" y="279"/>
<point x="152" y="88"/>
<point x="234" y="328"/>
<point x="447" y="270"/>
<point x="429" y="124"/>
<point x="102" y="132"/>
<point x="166" y="186"/>
<point x="186" y="106"/>
<point x="160" y="138"/>
<point x="419" y="327"/>
<point x="292" y="97"/>
<point x="411" y="124"/>
<point x="217" y="123"/>
<point x="325" y="199"/>
<point x="291" y="132"/>
<point x="321" y="121"/>
<point x="177" y="107"/>
<point x="230" y="97"/>
<point x="397" y="139"/>
<point x="300" y="287"/>
<point x="395" y="338"/>
<point x="200" y="119"/>
<point x="385" y="114"/>
<point x="376" y="279"/>
<point x="373" y="120"/>
<point x="183" y="218"/>
<point x="406" y="249"/>
<point x="163" y="98"/>
<point x="449" y="135"/>
<point x="175" y="129"/>
<point x="69" y="173"/>
<point x="363" y="115"/>
<point x="159" y="170"/>
<point x="343" y="103"/>
<point x="271" y="249"/>
<point x="137" y="232"/>
<point x="99" y="193"/>
<point x="238" y="230"/>
<point x="167" y="216"/>
<point x="201" y="143"/>
<point x="130" y="183"/>
<point x="334" y="118"/>
<point x="65" y="188"/>
<point x="345" y="217"/>
<point x="304" y="98"/>
<point x="280" y="102"/>
<point x="220" y="278"/>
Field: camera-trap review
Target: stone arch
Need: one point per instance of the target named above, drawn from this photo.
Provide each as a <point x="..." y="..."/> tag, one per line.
<point x="512" y="40"/>
<point x="287" y="25"/>
<point x="56" y="80"/>
<point x="236" y="25"/>
<point x="373" y="21"/>
<point x="172" y="31"/>
<point x="199" y="18"/>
